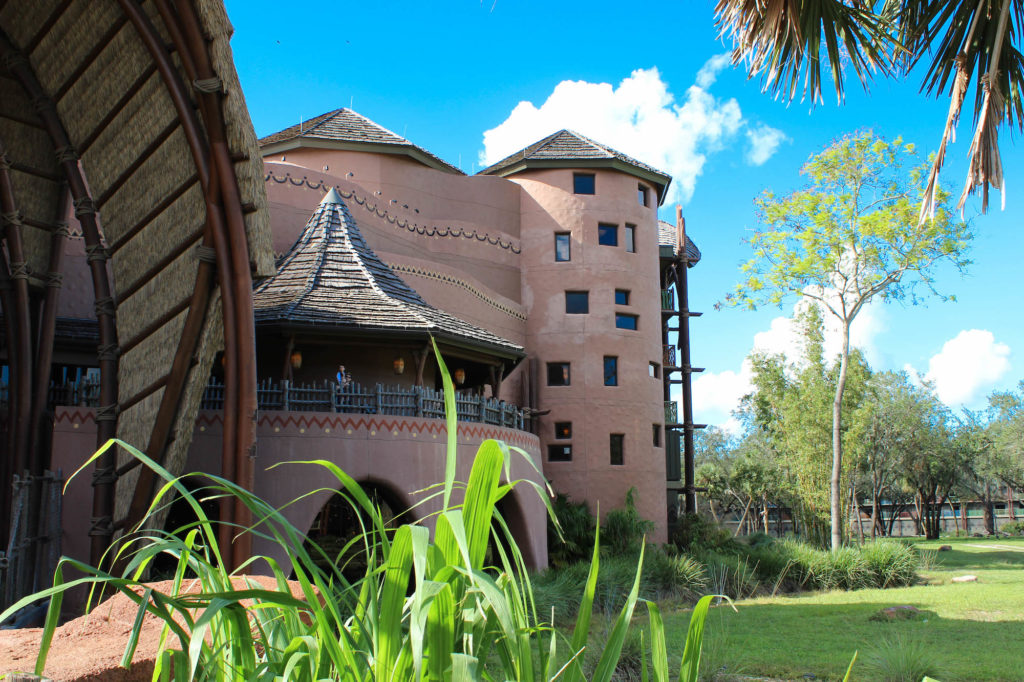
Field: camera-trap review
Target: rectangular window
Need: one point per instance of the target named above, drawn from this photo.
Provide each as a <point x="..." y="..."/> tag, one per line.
<point x="611" y="370"/>
<point x="641" y="195"/>
<point x="563" y="430"/>
<point x="624" y="321"/>
<point x="577" y="302"/>
<point x="558" y="374"/>
<point x="607" y="234"/>
<point x="656" y="434"/>
<point x="654" y="369"/>
<point x="583" y="183"/>
<point x="559" y="453"/>
<point x="630" y="237"/>
<point x="615" y="448"/>
<point x="562" y="253"/>
<point x="621" y="297"/>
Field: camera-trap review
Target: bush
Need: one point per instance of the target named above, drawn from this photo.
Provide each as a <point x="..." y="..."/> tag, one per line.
<point x="694" y="532"/>
<point x="891" y="564"/>
<point x="1013" y="528"/>
<point x="624" y="529"/>
<point x="577" y="537"/>
<point x="731" y="575"/>
<point x="900" y="658"/>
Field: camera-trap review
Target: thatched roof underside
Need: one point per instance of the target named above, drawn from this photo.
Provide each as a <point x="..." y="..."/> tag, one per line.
<point x="114" y="104"/>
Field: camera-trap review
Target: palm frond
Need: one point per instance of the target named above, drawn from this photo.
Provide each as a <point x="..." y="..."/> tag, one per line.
<point x="787" y="41"/>
<point x="986" y="167"/>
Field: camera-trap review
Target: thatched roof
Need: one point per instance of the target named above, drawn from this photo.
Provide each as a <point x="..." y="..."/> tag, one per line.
<point x="94" y="66"/>
<point x="331" y="281"/>
<point x="345" y="129"/>
<point x="569" y="149"/>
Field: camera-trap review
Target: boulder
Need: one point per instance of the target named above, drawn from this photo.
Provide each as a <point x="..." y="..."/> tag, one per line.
<point x="946" y="548"/>
<point x="965" y="579"/>
<point x="902" y="612"/>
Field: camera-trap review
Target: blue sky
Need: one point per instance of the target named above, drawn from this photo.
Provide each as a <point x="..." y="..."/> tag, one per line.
<point x="445" y="74"/>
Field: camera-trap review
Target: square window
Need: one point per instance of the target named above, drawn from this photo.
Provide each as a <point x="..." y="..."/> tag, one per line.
<point x="562" y="247"/>
<point x="559" y="453"/>
<point x="577" y="302"/>
<point x="654" y="369"/>
<point x="621" y="297"/>
<point x="625" y="321"/>
<point x="611" y="370"/>
<point x="630" y="237"/>
<point x="607" y="235"/>
<point x="656" y="434"/>
<point x="641" y="195"/>
<point x="558" y="374"/>
<point x="563" y="430"/>
<point x="615" y="442"/>
<point x="583" y="183"/>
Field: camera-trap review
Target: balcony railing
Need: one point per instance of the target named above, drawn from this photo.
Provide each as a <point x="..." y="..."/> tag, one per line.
<point x="671" y="412"/>
<point x="668" y="358"/>
<point x="668" y="299"/>
<point x="329" y="396"/>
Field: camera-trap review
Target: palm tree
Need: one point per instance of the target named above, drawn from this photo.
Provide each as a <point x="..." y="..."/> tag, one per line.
<point x="963" y="44"/>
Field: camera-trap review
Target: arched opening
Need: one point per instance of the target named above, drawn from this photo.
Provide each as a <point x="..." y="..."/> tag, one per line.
<point x="511" y="512"/>
<point x="339" y="522"/>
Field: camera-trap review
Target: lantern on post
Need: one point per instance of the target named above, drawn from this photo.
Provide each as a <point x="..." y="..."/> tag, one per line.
<point x="460" y="376"/>
<point x="399" y="365"/>
<point x="296" y="359"/>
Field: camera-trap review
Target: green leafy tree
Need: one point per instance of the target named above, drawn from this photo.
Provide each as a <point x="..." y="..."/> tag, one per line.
<point x="851" y="236"/>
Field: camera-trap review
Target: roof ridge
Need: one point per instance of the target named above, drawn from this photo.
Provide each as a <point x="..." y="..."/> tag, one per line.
<point x="314" y="274"/>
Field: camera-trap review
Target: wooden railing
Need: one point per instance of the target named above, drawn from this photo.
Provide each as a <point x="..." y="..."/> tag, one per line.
<point x="327" y="396"/>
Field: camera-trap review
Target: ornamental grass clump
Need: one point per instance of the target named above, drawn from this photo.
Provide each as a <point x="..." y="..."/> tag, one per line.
<point x="425" y="608"/>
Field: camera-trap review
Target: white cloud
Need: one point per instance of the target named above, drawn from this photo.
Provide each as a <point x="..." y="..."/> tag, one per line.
<point x="762" y="143"/>
<point x="639" y="117"/>
<point x="716" y="395"/>
<point x="968" y="366"/>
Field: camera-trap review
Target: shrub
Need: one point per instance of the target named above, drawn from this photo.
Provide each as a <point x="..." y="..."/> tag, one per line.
<point x="577" y="526"/>
<point x="731" y="575"/>
<point x="900" y="658"/>
<point x="1013" y="528"/>
<point x="695" y="532"/>
<point x="891" y="564"/>
<point x="624" y="529"/>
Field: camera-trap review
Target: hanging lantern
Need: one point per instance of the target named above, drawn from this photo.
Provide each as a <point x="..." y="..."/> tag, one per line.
<point x="296" y="359"/>
<point x="399" y="364"/>
<point x="460" y="376"/>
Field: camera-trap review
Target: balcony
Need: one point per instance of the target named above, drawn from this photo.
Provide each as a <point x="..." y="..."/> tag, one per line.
<point x="668" y="300"/>
<point x="671" y="412"/>
<point x="407" y="401"/>
<point x="668" y="357"/>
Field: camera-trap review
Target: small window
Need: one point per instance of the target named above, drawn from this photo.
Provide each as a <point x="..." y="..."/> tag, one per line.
<point x="607" y="235"/>
<point x="625" y="321"/>
<point x="621" y="297"/>
<point x="577" y="302"/>
<point x="641" y="195"/>
<point x="615" y="442"/>
<point x="563" y="430"/>
<point x="562" y="253"/>
<point x="559" y="453"/>
<point x="611" y="370"/>
<point x="656" y="435"/>
<point x="630" y="237"/>
<point x="558" y="374"/>
<point x="654" y="369"/>
<point x="583" y="183"/>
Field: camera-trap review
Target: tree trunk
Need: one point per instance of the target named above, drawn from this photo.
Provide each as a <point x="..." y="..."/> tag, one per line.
<point x="837" y="443"/>
<point x="956" y="522"/>
<point x="963" y="517"/>
<point x="875" y="519"/>
<point x="764" y="507"/>
<point x="743" y="518"/>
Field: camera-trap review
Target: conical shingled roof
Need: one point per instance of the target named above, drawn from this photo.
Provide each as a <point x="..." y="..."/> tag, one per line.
<point x="333" y="281"/>
<point x="668" y="236"/>
<point x="567" y="148"/>
<point x="346" y="127"/>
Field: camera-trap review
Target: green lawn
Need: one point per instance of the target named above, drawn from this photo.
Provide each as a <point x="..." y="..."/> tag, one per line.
<point x="972" y="631"/>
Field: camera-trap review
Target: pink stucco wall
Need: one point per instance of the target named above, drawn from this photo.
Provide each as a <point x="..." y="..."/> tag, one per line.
<point x="402" y="454"/>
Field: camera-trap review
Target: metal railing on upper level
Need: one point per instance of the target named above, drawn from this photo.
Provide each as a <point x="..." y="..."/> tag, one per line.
<point x="671" y="412"/>
<point x="668" y="299"/>
<point x="668" y="358"/>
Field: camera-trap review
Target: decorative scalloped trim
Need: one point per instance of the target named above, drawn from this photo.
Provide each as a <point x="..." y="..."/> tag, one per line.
<point x="449" y="279"/>
<point x="416" y="228"/>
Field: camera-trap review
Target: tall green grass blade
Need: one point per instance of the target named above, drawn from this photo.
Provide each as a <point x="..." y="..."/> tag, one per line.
<point x="659" y="652"/>
<point x="478" y="507"/>
<point x="689" y="668"/>
<point x="440" y="635"/>
<point x="392" y="601"/>
<point x="463" y="668"/>
<point x="133" y="634"/>
<point x="52" y="617"/>
<point x="582" y="629"/>
<point x="613" y="646"/>
<point x="643" y="659"/>
<point x="849" y="670"/>
<point x="451" y="424"/>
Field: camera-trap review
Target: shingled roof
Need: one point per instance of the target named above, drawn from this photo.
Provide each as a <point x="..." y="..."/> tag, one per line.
<point x="345" y="129"/>
<point x="569" y="149"/>
<point x="331" y="280"/>
<point x="668" y="236"/>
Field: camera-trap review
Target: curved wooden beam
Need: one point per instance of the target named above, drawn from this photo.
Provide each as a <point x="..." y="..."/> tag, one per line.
<point x="104" y="475"/>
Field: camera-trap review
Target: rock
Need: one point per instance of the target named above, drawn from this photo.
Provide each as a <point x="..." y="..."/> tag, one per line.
<point x="945" y="548"/>
<point x="902" y="612"/>
<point x="965" y="579"/>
